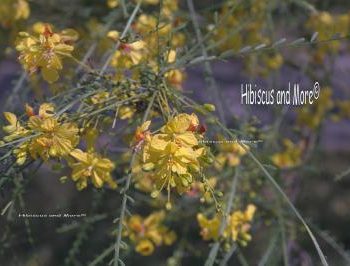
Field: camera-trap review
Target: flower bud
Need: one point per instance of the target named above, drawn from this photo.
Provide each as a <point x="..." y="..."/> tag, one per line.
<point x="209" y="107"/>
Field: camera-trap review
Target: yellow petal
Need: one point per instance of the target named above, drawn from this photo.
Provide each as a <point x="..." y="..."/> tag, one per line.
<point x="171" y="56"/>
<point x="249" y="213"/>
<point x="188" y="138"/>
<point x="145" y="247"/>
<point x="112" y="3"/>
<point x="79" y="155"/>
<point x="46" y="110"/>
<point x="50" y="75"/>
<point x="145" y="126"/>
<point x="158" y="143"/>
<point x="114" y="35"/>
<point x="96" y="180"/>
<point x="69" y="35"/>
<point x="11" y="118"/>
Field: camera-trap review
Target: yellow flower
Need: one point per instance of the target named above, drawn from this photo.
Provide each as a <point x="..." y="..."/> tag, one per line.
<point x="173" y="154"/>
<point x="129" y="54"/>
<point x="45" y="51"/>
<point x="173" y="164"/>
<point x="91" y="166"/>
<point x="100" y="97"/>
<point x="169" y="7"/>
<point x="182" y="129"/>
<point x="145" y="247"/>
<point x="14" y="129"/>
<point x="49" y="136"/>
<point x="290" y="157"/>
<point x="145" y="24"/>
<point x="126" y="112"/>
<point x="142" y="133"/>
<point x="55" y="139"/>
<point x="209" y="227"/>
<point x="148" y="232"/>
<point x="21" y="153"/>
<point x="13" y="10"/>
<point x="175" y="77"/>
<point x="39" y="27"/>
<point x="112" y="3"/>
<point x="237" y="226"/>
<point x="113" y="35"/>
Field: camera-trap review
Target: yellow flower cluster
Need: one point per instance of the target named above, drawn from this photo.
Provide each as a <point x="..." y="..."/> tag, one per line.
<point x="154" y="36"/>
<point x="327" y="25"/>
<point x="99" y="97"/>
<point x="13" y="10"/>
<point x="290" y="157"/>
<point x="173" y="154"/>
<point x="149" y="232"/>
<point x="44" y="51"/>
<point x="237" y="226"/>
<point x="91" y="165"/>
<point x="158" y="35"/>
<point x="48" y="136"/>
<point x="312" y="116"/>
<point x="128" y="54"/>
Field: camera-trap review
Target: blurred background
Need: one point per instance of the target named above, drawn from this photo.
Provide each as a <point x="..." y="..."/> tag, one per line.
<point x="319" y="189"/>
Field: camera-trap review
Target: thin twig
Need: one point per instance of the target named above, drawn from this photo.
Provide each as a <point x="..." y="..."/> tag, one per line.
<point x="212" y="85"/>
<point x="228" y="255"/>
<point x="93" y="46"/>
<point x="125" y="31"/>
<point x="103" y="255"/>
<point x="15" y="91"/>
<point x="284" y="196"/>
<point x="269" y="251"/>
<point x="333" y="243"/>
<point x="125" y="10"/>
<point x="283" y="233"/>
<point x="215" y="248"/>
<point x="342" y="175"/>
<point x="248" y="50"/>
<point x="305" y="5"/>
<point x="126" y="188"/>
